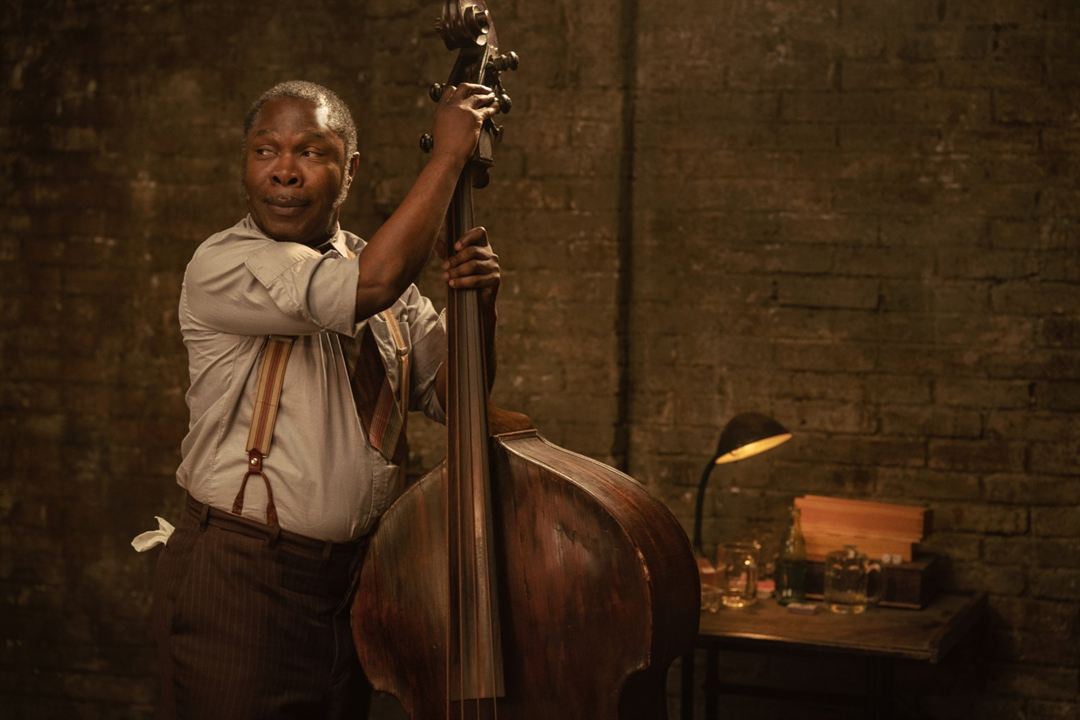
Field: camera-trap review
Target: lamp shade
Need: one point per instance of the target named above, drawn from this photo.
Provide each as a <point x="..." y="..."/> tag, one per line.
<point x="745" y="435"/>
<point x="749" y="434"/>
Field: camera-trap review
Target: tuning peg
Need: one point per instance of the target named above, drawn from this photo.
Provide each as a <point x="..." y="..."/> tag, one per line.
<point x="427" y="142"/>
<point x="505" y="103"/>
<point x="480" y="178"/>
<point x="506" y="61"/>
<point x="435" y="92"/>
<point x="496" y="130"/>
<point x="477" y="21"/>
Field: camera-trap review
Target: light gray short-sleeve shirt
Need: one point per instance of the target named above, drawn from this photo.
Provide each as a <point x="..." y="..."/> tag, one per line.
<point x="241" y="286"/>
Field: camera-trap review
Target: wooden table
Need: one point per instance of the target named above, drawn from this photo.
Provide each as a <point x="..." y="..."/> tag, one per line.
<point x="880" y="635"/>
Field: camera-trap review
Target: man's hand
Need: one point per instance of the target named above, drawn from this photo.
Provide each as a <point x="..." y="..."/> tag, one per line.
<point x="474" y="265"/>
<point x="402" y="246"/>
<point x="459" y="117"/>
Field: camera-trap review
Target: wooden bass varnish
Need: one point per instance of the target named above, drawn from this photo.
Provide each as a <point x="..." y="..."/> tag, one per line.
<point x="518" y="580"/>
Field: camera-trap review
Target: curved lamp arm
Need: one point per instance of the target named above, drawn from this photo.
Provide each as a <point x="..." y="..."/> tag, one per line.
<point x="699" y="506"/>
<point x="745" y="435"/>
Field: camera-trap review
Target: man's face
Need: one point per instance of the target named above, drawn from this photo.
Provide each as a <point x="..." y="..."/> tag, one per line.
<point x="294" y="169"/>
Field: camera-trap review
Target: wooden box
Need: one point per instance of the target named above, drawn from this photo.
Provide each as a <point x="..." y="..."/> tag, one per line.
<point x="910" y="585"/>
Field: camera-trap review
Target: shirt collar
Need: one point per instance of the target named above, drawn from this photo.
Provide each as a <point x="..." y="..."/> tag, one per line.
<point x="336" y="242"/>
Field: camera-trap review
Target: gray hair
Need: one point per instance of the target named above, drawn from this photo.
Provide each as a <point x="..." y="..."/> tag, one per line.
<point x="340" y="120"/>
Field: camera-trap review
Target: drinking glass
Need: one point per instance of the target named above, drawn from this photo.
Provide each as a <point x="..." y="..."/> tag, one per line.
<point x="710" y="592"/>
<point x="737" y="568"/>
<point x="847" y="581"/>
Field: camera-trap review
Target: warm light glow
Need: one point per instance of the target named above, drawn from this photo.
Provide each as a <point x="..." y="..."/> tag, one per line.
<point x="754" y="448"/>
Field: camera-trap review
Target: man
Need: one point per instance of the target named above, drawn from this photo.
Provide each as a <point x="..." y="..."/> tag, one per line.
<point x="251" y="592"/>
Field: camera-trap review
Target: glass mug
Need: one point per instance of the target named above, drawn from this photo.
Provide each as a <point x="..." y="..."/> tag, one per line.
<point x="737" y="573"/>
<point x="710" y="592"/>
<point x="847" y="581"/>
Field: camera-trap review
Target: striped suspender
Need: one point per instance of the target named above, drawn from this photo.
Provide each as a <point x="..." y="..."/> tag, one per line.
<point x="271" y="378"/>
<point x="403" y="364"/>
<point x="383" y="411"/>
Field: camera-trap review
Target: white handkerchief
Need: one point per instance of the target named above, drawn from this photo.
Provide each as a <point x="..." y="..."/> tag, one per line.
<point x="152" y="538"/>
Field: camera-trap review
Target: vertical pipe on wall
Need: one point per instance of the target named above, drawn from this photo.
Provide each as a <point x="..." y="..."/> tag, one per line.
<point x="620" y="450"/>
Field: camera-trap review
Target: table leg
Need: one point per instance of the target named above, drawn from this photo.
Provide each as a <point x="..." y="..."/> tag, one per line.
<point x="879" y="688"/>
<point x="712" y="682"/>
<point x="686" y="705"/>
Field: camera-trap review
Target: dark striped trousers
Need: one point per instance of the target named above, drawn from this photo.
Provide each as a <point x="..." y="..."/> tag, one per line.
<point x="247" y="628"/>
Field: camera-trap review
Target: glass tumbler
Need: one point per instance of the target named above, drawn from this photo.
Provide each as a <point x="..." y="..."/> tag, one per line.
<point x="848" y="574"/>
<point x="737" y="570"/>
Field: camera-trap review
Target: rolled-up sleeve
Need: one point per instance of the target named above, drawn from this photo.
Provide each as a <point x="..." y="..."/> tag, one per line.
<point x="257" y="288"/>
<point x="427" y="335"/>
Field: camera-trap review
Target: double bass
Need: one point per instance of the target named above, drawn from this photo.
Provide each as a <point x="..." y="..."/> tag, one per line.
<point x="517" y="580"/>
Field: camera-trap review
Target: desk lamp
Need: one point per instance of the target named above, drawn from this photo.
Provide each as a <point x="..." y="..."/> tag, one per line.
<point x="745" y="435"/>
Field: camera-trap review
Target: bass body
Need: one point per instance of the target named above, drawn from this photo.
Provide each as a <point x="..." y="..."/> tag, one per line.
<point x="597" y="591"/>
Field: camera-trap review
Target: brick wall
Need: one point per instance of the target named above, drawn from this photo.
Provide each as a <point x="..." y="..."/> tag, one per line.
<point x="860" y="217"/>
<point x="857" y="216"/>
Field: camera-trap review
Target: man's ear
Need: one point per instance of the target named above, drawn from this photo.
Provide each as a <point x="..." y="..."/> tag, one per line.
<point x="354" y="164"/>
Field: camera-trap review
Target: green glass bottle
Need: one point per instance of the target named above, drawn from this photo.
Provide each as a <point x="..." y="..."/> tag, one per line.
<point x="791" y="565"/>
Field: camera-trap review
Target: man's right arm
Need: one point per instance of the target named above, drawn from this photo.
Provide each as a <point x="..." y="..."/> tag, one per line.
<point x="398" y="250"/>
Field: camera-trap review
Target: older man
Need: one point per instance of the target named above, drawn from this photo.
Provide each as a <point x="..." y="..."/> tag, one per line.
<point x="252" y="588"/>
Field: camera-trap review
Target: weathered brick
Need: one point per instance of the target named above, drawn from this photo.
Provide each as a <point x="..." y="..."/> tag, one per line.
<point x="983" y="393"/>
<point x="822" y="479"/>
<point x="1049" y="710"/>
<point x="1047" y="649"/>
<point x="1055" y="265"/>
<point x="1033" y="424"/>
<point x="1036" y="616"/>
<point x="1001" y="580"/>
<point x="1034" y="489"/>
<point x="829" y="229"/>
<point x="1055" y="458"/>
<point x="825" y="356"/>
<point x="873" y="137"/>
<point x="1013" y="550"/>
<point x="1000" y="265"/>
<point x="1016" y="41"/>
<point x="1021" y="234"/>
<point x="823" y="416"/>
<point x="1056" y="584"/>
<point x="889" y="74"/>
<point x="1034" y="364"/>
<point x="1058" y="553"/>
<point x="927" y="484"/>
<point x="1063" y="521"/>
<point x="1033" y="106"/>
<point x="957" y="546"/>
<point x="1060" y="395"/>
<point x="978" y="455"/>
<point x="930" y="421"/>
<point x="883" y="262"/>
<point x="971" y="517"/>
<point x="989" y="707"/>
<point x="906" y="296"/>
<point x="861" y="450"/>
<point x="856" y="12"/>
<point x="1015" y="73"/>
<point x="1030" y="298"/>
<point x="897" y="389"/>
